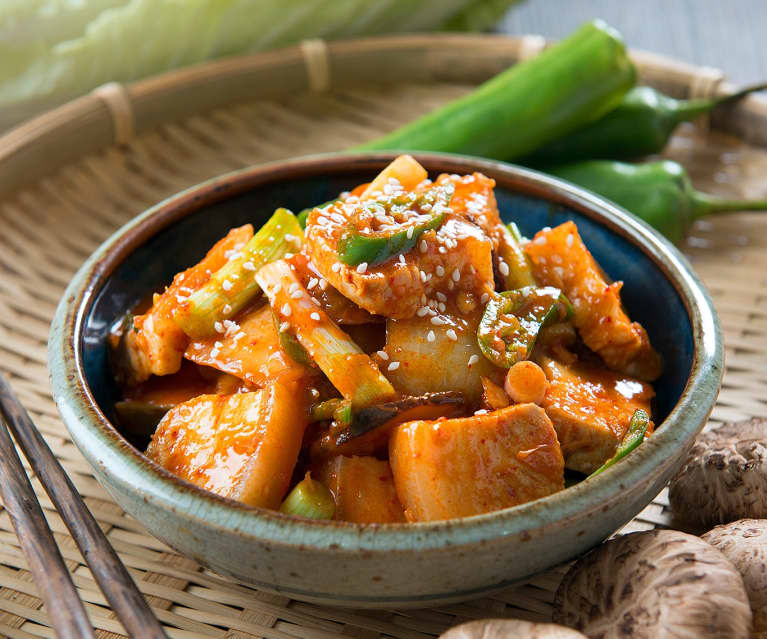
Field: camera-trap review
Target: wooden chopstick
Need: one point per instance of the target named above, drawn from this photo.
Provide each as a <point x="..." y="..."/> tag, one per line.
<point x="45" y="562"/>
<point x="110" y="573"/>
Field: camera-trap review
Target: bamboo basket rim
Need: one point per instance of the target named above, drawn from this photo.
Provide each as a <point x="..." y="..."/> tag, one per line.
<point x="117" y="108"/>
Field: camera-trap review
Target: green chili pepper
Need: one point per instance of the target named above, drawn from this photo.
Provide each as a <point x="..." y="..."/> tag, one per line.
<point x="512" y="320"/>
<point x="634" y="436"/>
<point x="520" y="271"/>
<point x="660" y="193"/>
<point x="535" y="101"/>
<point x="421" y="212"/>
<point x="304" y="214"/>
<point x="640" y="125"/>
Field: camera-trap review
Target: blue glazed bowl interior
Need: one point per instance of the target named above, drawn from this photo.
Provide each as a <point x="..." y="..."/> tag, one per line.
<point x="648" y="295"/>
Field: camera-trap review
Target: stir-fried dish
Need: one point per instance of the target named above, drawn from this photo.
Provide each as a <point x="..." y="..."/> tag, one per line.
<point x="398" y="354"/>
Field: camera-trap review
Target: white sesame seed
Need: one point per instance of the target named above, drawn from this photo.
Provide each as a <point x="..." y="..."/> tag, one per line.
<point x="440" y="270"/>
<point x="569" y="241"/>
<point x="473" y="360"/>
<point x="442" y="307"/>
<point x="430" y="337"/>
<point x="336" y="267"/>
<point x="219" y="327"/>
<point x="484" y="298"/>
<point x="410" y="231"/>
<point x="401" y="258"/>
<point x="423" y="246"/>
<point x="227" y="309"/>
<point x="292" y="288"/>
<point x="316" y="301"/>
<point x="450" y="285"/>
<point x="503" y="268"/>
<point x="284" y="326"/>
<point x="217" y="344"/>
<point x="231" y="326"/>
<point x="239" y="336"/>
<point x="323" y="283"/>
<point x="482" y="411"/>
<point x="315" y="316"/>
<point x="296" y="294"/>
<point x="277" y="289"/>
<point x="423" y="277"/>
<point x="214" y="352"/>
<point x="285" y="310"/>
<point x="289" y="237"/>
<point x="441" y="296"/>
<point x="393" y="366"/>
<point x="422" y="311"/>
<point x="312" y="283"/>
<point x="383" y="355"/>
<point x="322" y="220"/>
<point x="437" y="321"/>
<point x="362" y="268"/>
<point x="456" y="275"/>
<point x="226" y="285"/>
<point x="442" y="250"/>
<point x="540" y="240"/>
<point x="451" y="335"/>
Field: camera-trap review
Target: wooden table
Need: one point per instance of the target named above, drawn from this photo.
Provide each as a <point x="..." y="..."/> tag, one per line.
<point x="727" y="34"/>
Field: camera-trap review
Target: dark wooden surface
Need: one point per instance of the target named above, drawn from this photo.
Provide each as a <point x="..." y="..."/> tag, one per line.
<point x="727" y="34"/>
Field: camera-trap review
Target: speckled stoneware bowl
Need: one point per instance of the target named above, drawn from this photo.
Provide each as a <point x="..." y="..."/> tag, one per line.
<point x="392" y="565"/>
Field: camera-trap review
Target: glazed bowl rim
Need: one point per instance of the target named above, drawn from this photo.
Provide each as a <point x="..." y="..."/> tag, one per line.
<point x="127" y="467"/>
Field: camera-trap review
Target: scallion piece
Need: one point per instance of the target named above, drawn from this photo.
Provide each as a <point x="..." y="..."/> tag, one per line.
<point x="349" y="369"/>
<point x="640" y="421"/>
<point x="232" y="286"/>
<point x="309" y="499"/>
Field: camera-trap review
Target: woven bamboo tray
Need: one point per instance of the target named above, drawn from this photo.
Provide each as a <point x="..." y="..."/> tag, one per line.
<point x="69" y="178"/>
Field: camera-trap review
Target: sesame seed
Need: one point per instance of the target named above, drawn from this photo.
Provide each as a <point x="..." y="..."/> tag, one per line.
<point x="277" y="289"/>
<point x="503" y="268"/>
<point x="214" y="352"/>
<point x="569" y="241"/>
<point x="430" y="337"/>
<point x="442" y="307"/>
<point x="473" y="360"/>
<point x="423" y="246"/>
<point x="219" y="327"/>
<point x="217" y="344"/>
<point x="442" y="250"/>
<point x="383" y="355"/>
<point x="484" y="298"/>
<point x="322" y="220"/>
<point x="323" y="283"/>
<point x="315" y="316"/>
<point x="451" y="334"/>
<point x="482" y="411"/>
<point x="393" y="366"/>
<point x="540" y="240"/>
<point x="401" y="258"/>
<point x="437" y="321"/>
<point x="314" y="393"/>
<point x="362" y="268"/>
<point x="441" y="296"/>
<point x="285" y="310"/>
<point x="289" y="237"/>
<point x="239" y="336"/>
<point x="456" y="275"/>
<point x="422" y="311"/>
<point x="226" y="285"/>
<point x="292" y="288"/>
<point x="450" y="285"/>
<point x="312" y="283"/>
<point x="423" y="277"/>
<point x="440" y="271"/>
<point x="296" y="294"/>
<point x="227" y="309"/>
<point x="316" y="301"/>
<point x="284" y="326"/>
<point x="336" y="267"/>
<point x="410" y="232"/>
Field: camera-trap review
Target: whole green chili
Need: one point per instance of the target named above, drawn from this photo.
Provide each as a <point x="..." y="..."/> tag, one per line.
<point x="641" y="124"/>
<point x="660" y="193"/>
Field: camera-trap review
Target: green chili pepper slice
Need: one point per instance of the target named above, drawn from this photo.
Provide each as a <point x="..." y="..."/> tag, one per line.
<point x="412" y="213"/>
<point x="512" y="320"/>
<point x="638" y="425"/>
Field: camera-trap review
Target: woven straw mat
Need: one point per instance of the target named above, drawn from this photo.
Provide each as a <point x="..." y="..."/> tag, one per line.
<point x="49" y="229"/>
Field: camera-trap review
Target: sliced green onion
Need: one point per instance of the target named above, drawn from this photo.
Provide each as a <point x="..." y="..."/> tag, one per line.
<point x="309" y="499"/>
<point x="348" y="368"/>
<point x="640" y="422"/>
<point x="232" y="286"/>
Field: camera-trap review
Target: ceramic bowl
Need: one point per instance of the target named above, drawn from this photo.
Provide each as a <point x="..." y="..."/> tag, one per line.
<point x="389" y="565"/>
